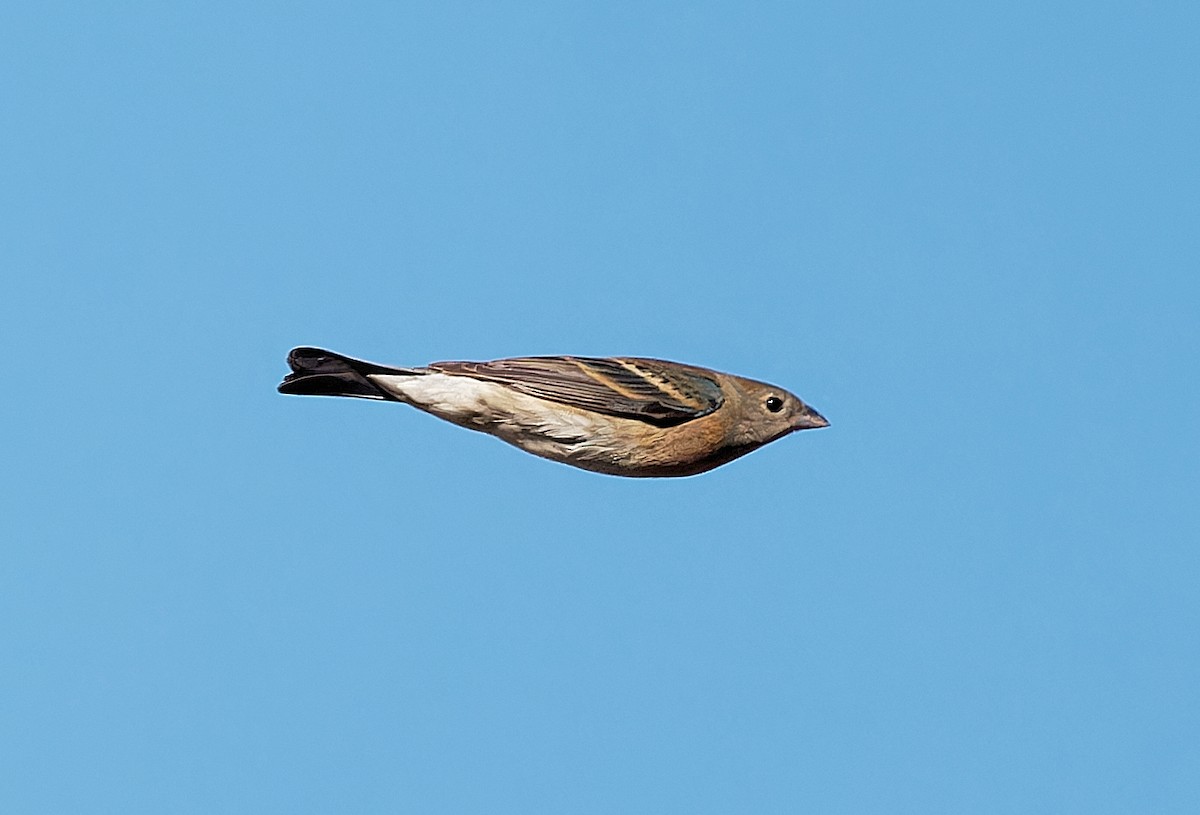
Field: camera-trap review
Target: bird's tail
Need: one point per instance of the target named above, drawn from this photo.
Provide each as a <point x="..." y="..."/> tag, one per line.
<point x="316" y="372"/>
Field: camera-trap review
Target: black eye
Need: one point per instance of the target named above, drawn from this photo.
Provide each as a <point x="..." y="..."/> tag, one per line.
<point x="774" y="404"/>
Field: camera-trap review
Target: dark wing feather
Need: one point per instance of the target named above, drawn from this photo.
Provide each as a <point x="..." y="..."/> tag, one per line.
<point x="661" y="393"/>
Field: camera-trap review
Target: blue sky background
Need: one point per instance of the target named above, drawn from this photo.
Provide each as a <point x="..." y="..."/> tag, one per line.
<point x="967" y="235"/>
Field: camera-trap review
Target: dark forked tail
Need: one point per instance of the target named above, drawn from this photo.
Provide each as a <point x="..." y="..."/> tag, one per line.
<point x="316" y="372"/>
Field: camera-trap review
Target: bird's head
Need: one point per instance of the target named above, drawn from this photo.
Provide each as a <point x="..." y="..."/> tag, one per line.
<point x="767" y="412"/>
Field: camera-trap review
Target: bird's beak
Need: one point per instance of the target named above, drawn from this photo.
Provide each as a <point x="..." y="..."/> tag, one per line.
<point x="809" y="419"/>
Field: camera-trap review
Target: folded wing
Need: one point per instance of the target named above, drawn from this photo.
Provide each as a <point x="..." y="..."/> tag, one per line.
<point x="653" y="391"/>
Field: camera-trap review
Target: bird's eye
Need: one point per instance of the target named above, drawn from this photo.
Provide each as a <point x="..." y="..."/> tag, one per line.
<point x="774" y="404"/>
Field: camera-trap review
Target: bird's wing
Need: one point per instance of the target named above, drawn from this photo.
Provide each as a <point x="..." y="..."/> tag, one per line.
<point x="661" y="393"/>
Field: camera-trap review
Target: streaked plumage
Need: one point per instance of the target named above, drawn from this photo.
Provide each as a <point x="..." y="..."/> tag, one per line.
<point x="617" y="415"/>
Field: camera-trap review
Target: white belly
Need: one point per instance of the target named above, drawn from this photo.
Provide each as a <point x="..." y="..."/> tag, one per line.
<point x="536" y="425"/>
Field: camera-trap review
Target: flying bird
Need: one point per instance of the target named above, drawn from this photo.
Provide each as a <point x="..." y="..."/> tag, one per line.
<point x="617" y="415"/>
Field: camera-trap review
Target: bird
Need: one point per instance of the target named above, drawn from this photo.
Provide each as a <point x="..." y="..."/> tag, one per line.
<point x="622" y="416"/>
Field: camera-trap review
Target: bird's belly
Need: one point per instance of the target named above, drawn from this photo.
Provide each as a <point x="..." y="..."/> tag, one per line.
<point x="582" y="438"/>
<point x="533" y="424"/>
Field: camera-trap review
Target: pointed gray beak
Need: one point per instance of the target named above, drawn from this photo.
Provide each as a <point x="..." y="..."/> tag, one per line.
<point x="809" y="419"/>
